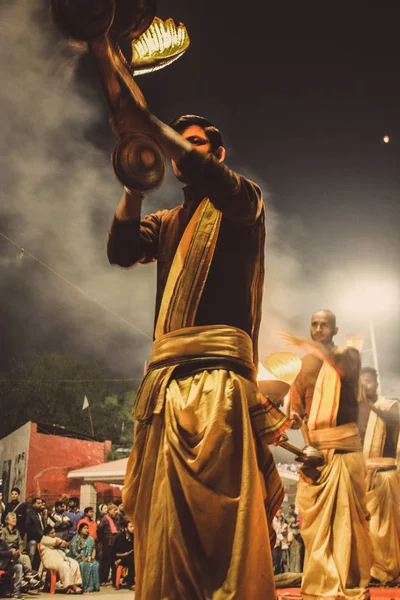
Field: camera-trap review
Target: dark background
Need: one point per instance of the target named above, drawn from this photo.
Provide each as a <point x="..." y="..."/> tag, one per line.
<point x="303" y="93"/>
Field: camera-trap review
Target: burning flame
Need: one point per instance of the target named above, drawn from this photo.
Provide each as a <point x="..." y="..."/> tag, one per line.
<point x="160" y="45"/>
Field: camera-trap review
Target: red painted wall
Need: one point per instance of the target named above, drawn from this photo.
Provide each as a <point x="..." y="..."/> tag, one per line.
<point x="51" y="457"/>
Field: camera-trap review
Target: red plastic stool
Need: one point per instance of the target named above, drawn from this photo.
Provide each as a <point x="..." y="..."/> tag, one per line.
<point x="118" y="574"/>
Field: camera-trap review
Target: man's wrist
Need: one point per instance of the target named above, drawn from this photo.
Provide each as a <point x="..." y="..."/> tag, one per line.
<point x="134" y="193"/>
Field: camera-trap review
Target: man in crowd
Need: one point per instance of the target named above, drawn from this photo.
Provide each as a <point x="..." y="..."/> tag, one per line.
<point x="60" y="521"/>
<point x="107" y="533"/>
<point x="14" y="502"/>
<point x="10" y="561"/>
<point x="74" y="514"/>
<point x="331" y="501"/>
<point x="202" y="530"/>
<point x="18" y="507"/>
<point x="90" y="522"/>
<point x="34" y="527"/>
<point x="292" y="515"/>
<point x="379" y="425"/>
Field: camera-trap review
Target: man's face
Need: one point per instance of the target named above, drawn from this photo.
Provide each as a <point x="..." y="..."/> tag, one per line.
<point x="89" y="514"/>
<point x="198" y="138"/>
<point x="59" y="509"/>
<point x="14" y="496"/>
<point x="322" y="328"/>
<point x="113" y="512"/>
<point x="37" y="505"/>
<point x="369" y="385"/>
<point x="72" y="504"/>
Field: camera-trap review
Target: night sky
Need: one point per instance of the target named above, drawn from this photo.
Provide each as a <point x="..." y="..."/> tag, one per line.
<point x="303" y="94"/>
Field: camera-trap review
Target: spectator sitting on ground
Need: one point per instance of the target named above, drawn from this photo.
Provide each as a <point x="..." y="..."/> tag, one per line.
<point x="60" y="521"/>
<point x="54" y="556"/>
<point x="90" y="522"/>
<point x="74" y="514"/>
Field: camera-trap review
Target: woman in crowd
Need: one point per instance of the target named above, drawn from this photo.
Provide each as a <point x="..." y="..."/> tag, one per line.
<point x="83" y="549"/>
<point x="101" y="512"/>
<point x="124" y="554"/>
<point x="53" y="555"/>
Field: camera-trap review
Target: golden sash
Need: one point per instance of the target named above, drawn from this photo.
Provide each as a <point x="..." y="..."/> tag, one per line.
<point x="375" y="435"/>
<point x="189" y="270"/>
<point x="344" y="437"/>
<point x="325" y="403"/>
<point x="324" y="434"/>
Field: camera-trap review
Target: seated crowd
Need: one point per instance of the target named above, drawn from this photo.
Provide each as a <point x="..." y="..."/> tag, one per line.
<point x="84" y="549"/>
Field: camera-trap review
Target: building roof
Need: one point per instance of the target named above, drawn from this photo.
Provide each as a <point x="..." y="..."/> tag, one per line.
<point x="109" y="472"/>
<point x="114" y="472"/>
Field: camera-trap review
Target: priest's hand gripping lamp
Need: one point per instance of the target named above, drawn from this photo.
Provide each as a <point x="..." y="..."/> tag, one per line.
<point x="276" y="374"/>
<point x="105" y="25"/>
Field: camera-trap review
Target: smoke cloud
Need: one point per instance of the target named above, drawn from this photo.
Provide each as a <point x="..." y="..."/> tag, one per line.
<point x="58" y="198"/>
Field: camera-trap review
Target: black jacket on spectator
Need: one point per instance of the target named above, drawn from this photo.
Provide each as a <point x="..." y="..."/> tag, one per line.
<point x="5" y="554"/>
<point x="34" y="526"/>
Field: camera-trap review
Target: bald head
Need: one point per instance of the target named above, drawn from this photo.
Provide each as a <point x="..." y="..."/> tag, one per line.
<point x="323" y="326"/>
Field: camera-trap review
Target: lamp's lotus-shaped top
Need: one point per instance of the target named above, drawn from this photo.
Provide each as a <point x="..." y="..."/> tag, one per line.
<point x="160" y="45"/>
<point x="277" y="372"/>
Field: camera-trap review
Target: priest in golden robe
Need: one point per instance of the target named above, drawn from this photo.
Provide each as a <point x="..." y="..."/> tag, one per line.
<point x="201" y="484"/>
<point x="331" y="500"/>
<point x="379" y="423"/>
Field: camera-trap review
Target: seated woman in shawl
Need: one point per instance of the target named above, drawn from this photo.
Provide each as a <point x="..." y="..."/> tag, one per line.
<point x="123" y="555"/>
<point x="83" y="549"/>
<point x="53" y="555"/>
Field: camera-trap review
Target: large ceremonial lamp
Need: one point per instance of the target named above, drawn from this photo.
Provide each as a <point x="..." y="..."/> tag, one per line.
<point x="276" y="373"/>
<point x="137" y="158"/>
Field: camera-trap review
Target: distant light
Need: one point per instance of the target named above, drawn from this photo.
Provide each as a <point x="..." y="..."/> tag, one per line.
<point x="386" y="139"/>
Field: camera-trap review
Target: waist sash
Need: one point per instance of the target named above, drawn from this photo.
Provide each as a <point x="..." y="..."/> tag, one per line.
<point x="191" y="345"/>
<point x="343" y="437"/>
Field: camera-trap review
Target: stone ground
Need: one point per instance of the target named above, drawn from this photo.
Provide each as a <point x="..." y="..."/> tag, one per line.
<point x="107" y="592"/>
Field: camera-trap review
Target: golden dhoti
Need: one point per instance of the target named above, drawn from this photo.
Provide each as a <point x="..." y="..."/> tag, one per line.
<point x="194" y="486"/>
<point x="383" y="499"/>
<point x="334" y="520"/>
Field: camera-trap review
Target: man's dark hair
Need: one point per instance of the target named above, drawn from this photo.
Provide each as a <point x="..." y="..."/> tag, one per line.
<point x="15" y="489"/>
<point x="292" y="506"/>
<point x="214" y="135"/>
<point x="87" y="509"/>
<point x="58" y="503"/>
<point x="370" y="371"/>
<point x="74" y="499"/>
<point x="35" y="499"/>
